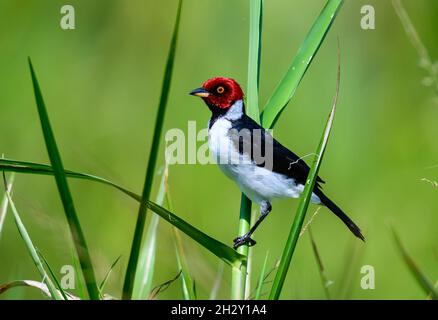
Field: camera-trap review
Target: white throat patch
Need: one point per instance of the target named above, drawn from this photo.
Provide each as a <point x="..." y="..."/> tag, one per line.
<point x="235" y="111"/>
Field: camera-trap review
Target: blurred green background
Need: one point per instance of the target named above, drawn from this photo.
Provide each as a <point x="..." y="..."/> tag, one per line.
<point x="101" y="83"/>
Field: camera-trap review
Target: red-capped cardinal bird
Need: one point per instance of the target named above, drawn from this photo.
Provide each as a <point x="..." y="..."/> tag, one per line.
<point x="262" y="167"/>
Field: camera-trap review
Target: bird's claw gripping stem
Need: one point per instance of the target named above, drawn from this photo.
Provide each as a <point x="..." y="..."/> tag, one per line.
<point x="244" y="240"/>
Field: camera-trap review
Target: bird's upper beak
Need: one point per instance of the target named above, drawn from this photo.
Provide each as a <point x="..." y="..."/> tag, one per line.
<point x="200" y="92"/>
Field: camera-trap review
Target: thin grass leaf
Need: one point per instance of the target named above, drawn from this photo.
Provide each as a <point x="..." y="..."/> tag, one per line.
<point x="221" y="250"/>
<point x="258" y="293"/>
<point x="217" y="282"/>
<point x="188" y="285"/>
<point x="52" y="274"/>
<point x="265" y="280"/>
<point x="33" y="284"/>
<point x="288" y="85"/>
<point x="145" y="269"/>
<point x="421" y="278"/>
<point x="304" y="201"/>
<point x="150" y="171"/>
<point x="107" y="275"/>
<point x="4" y="204"/>
<point x="255" y="39"/>
<point x="324" y="280"/>
<point x="30" y="247"/>
<point x="64" y="191"/>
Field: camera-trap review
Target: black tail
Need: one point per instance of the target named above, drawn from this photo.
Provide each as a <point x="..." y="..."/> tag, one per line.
<point x="340" y="214"/>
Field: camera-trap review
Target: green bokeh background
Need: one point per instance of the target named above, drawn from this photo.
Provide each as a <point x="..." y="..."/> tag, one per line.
<point x="101" y="83"/>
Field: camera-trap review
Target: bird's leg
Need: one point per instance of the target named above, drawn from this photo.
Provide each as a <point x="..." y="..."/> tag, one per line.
<point x="265" y="208"/>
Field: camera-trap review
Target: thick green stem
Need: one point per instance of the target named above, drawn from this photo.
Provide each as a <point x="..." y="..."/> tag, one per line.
<point x="238" y="277"/>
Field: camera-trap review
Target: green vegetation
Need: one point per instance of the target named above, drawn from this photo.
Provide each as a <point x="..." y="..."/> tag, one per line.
<point x="103" y="107"/>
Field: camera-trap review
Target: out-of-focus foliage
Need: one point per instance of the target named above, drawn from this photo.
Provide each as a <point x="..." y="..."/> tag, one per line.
<point x="102" y="84"/>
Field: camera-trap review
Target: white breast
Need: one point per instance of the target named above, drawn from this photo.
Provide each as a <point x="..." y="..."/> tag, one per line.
<point x="256" y="182"/>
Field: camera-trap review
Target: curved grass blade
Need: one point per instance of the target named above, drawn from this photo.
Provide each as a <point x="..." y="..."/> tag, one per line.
<point x="4" y="204"/>
<point x="33" y="284"/>
<point x="30" y="247"/>
<point x="150" y="171"/>
<point x="304" y="202"/>
<point x="64" y="191"/>
<point x="221" y="250"/>
<point x="52" y="274"/>
<point x="421" y="278"/>
<point x="188" y="285"/>
<point x="105" y="279"/>
<point x="287" y="86"/>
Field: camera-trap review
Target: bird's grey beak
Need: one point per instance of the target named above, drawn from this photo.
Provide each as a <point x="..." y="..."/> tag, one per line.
<point x="200" y="92"/>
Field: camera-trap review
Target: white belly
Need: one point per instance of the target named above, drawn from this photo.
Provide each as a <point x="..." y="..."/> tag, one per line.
<point x="256" y="182"/>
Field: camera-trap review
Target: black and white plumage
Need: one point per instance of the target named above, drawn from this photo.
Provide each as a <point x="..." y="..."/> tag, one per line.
<point x="262" y="167"/>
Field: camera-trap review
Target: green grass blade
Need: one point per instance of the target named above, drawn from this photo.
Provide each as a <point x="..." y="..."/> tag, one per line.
<point x="107" y="275"/>
<point x="30" y="247"/>
<point x="64" y="191"/>
<point x="258" y="293"/>
<point x="255" y="37"/>
<point x="424" y="282"/>
<point x="150" y="171"/>
<point x="324" y="280"/>
<point x="221" y="250"/>
<point x="304" y="203"/>
<point x="287" y="86"/>
<point x="146" y="264"/>
<point x="144" y="275"/>
<point x="52" y="274"/>
<point x="4" y="204"/>
<point x="33" y="284"/>
<point x="188" y="285"/>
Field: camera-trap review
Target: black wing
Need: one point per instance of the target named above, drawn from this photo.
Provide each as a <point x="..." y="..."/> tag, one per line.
<point x="255" y="140"/>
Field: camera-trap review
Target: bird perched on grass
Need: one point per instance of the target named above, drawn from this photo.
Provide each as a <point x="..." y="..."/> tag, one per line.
<point x="262" y="167"/>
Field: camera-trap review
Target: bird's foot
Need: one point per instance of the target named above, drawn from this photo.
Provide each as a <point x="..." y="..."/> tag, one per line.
<point x="244" y="240"/>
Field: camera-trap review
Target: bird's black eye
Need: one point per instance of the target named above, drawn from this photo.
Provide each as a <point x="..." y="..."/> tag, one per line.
<point x="220" y="89"/>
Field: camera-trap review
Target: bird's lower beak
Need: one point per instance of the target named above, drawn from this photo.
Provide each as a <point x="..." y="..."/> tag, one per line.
<point x="200" y="92"/>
